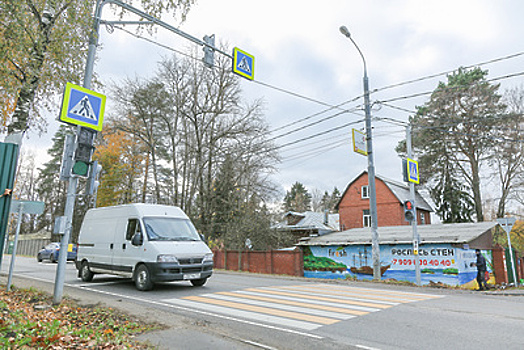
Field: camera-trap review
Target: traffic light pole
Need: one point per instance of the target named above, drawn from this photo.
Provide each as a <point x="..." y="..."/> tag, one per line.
<point x="208" y="44"/>
<point x="416" y="238"/>
<point x="73" y="180"/>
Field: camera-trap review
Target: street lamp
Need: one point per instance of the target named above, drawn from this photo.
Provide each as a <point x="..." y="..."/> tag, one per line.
<point x="371" y="166"/>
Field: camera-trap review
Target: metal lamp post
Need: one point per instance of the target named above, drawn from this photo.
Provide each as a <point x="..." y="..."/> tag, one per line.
<point x="371" y="166"/>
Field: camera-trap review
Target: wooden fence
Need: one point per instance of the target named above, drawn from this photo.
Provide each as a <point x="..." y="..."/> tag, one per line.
<point x="279" y="262"/>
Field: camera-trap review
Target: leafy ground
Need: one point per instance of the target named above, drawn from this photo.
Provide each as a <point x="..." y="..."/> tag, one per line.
<point x="28" y="320"/>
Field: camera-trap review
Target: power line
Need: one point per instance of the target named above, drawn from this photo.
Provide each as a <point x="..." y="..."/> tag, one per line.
<point x="320" y="150"/>
<point x="310" y="124"/>
<point x="255" y="81"/>
<point x="331" y="107"/>
<point x="448" y="72"/>
<point x="318" y="144"/>
<point x="293" y="123"/>
<point x="507" y="76"/>
<point x="320" y="134"/>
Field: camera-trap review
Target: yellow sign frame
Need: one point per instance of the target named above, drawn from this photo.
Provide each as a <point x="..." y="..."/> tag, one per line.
<point x="239" y="55"/>
<point x="412" y="176"/>
<point x="95" y="98"/>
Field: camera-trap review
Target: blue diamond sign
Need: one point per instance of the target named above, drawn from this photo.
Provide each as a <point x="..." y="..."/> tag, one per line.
<point x="83" y="107"/>
<point x="243" y="64"/>
<point x="413" y="175"/>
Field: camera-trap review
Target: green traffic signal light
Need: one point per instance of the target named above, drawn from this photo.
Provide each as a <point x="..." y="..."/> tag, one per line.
<point x="80" y="168"/>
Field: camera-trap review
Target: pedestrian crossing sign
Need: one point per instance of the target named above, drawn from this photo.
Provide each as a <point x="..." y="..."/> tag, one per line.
<point x="243" y="64"/>
<point x="81" y="106"/>
<point x="413" y="175"/>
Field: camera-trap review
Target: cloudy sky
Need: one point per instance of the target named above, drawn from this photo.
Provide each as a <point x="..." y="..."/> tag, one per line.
<point x="304" y="67"/>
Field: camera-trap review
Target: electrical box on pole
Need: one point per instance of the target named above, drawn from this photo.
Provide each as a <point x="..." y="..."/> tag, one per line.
<point x="209" y="50"/>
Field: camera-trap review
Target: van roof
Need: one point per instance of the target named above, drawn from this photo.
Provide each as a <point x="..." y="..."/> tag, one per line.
<point x="144" y="209"/>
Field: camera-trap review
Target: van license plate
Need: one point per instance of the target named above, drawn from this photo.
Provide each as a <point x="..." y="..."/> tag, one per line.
<point x="191" y="276"/>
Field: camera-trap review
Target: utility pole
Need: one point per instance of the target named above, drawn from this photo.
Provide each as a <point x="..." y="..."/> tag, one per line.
<point x="73" y="180"/>
<point x="416" y="238"/>
<point x="371" y="166"/>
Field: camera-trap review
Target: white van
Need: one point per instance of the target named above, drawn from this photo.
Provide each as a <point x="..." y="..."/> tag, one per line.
<point x="146" y="242"/>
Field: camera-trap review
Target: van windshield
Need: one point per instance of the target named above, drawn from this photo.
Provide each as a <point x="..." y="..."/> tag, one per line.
<point x="170" y="229"/>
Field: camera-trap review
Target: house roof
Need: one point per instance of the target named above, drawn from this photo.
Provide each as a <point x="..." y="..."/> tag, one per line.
<point x="311" y="220"/>
<point x="399" y="190"/>
<point x="463" y="233"/>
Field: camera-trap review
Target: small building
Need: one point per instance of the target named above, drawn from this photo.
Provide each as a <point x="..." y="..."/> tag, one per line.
<point x="445" y="253"/>
<point x="354" y="207"/>
<point x="308" y="223"/>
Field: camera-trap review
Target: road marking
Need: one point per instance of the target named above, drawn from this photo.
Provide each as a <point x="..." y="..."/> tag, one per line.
<point x="263" y="310"/>
<point x="294" y="303"/>
<point x="305" y="307"/>
<point x="271" y="304"/>
<point x="230" y="313"/>
<point x="316" y="296"/>
<point x="173" y="305"/>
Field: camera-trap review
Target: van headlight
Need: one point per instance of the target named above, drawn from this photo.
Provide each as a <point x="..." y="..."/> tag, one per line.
<point x="166" y="258"/>
<point x="207" y="258"/>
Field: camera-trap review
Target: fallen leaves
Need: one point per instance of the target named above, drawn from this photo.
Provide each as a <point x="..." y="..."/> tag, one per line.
<point x="29" y="321"/>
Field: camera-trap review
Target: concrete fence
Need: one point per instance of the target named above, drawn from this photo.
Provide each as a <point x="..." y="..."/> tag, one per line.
<point x="28" y="247"/>
<point x="279" y="262"/>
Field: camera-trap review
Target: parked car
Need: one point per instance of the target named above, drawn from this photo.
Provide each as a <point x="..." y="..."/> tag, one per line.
<point x="51" y="251"/>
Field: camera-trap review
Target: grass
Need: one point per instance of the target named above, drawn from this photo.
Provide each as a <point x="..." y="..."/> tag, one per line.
<point x="28" y="320"/>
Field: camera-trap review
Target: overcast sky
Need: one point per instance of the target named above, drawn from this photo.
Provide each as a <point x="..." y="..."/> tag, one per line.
<point x="298" y="47"/>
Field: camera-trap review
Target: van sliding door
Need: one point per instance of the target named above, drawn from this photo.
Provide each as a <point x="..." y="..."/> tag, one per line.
<point x="126" y="254"/>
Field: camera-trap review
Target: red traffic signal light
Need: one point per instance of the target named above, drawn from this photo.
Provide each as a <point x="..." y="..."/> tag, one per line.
<point x="409" y="211"/>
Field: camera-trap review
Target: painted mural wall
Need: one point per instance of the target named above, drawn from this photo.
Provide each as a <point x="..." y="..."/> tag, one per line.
<point x="439" y="263"/>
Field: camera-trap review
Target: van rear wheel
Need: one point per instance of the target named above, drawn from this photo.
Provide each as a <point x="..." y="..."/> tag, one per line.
<point x="85" y="274"/>
<point x="199" y="282"/>
<point x="143" y="280"/>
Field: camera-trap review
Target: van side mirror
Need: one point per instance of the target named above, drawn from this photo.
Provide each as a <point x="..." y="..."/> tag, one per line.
<point x="137" y="239"/>
<point x="202" y="237"/>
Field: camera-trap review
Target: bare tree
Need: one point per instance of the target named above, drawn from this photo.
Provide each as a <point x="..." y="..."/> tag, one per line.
<point x="508" y="156"/>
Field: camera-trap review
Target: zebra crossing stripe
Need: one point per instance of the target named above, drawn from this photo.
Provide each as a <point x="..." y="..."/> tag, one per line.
<point x="264" y="310"/>
<point x="389" y="293"/>
<point x="281" y="321"/>
<point x="306" y="295"/>
<point x="256" y="296"/>
<point x="351" y="293"/>
<point x="256" y="301"/>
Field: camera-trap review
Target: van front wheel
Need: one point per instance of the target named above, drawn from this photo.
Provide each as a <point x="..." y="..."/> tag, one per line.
<point x="85" y="274"/>
<point x="199" y="282"/>
<point x="143" y="280"/>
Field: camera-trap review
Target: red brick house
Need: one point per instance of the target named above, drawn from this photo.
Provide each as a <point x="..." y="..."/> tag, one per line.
<point x="353" y="206"/>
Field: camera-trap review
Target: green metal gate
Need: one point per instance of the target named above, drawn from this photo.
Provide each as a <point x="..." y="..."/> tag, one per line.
<point x="8" y="160"/>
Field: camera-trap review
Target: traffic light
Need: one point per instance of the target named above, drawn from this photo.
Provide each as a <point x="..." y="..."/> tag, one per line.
<point x="84" y="149"/>
<point x="409" y="211"/>
<point x="67" y="158"/>
<point x="94" y="176"/>
<point x="209" y="52"/>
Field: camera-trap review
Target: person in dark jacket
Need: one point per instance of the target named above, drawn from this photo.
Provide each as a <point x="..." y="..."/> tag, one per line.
<point x="481" y="270"/>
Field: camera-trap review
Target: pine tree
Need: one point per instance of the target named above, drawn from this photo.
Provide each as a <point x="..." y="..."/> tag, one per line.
<point x="297" y="199"/>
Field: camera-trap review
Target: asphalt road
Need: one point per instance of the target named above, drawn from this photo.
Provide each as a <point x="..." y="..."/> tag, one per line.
<point x="247" y="311"/>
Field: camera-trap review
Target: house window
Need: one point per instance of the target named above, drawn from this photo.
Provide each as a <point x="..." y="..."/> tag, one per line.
<point x="422" y="218"/>
<point x="364" y="192"/>
<point x="366" y="218"/>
